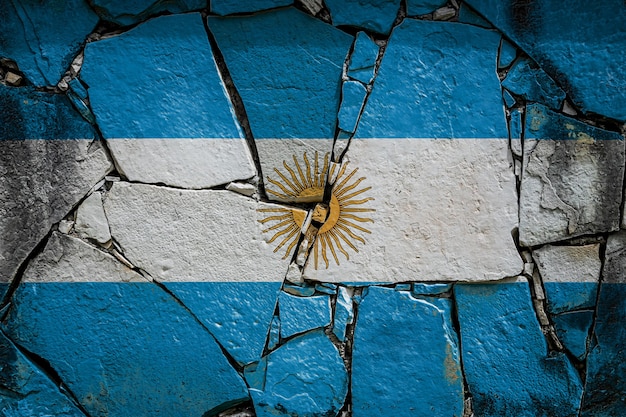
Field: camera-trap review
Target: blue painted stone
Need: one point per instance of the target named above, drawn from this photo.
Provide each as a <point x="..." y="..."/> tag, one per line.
<point x="363" y="58"/>
<point x="304" y="377"/>
<point x="26" y="390"/>
<point x="405" y="358"/>
<point x="526" y="79"/>
<point x="508" y="98"/>
<point x="606" y="370"/>
<point x="304" y="290"/>
<point x="353" y="97"/>
<point x="158" y="80"/>
<point x="224" y="7"/>
<point x="78" y="88"/>
<point x="572" y="330"/>
<point x="287" y="68"/>
<point x="505" y="356"/>
<point x="575" y="45"/>
<point x="343" y="314"/>
<point x="403" y="286"/>
<point x="562" y="297"/>
<point x="301" y="314"/>
<point x="124" y="348"/>
<point x="273" y="337"/>
<point x="43" y="39"/>
<point x="467" y="15"/>
<point x="374" y="15"/>
<point x="420" y="7"/>
<point x="436" y="80"/>
<point x="238" y="314"/>
<point x="430" y="289"/>
<point x="326" y="288"/>
<point x="81" y="107"/>
<point x="507" y="54"/>
<point x="134" y="11"/>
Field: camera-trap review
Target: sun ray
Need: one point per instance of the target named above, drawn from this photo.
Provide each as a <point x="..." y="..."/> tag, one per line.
<point x="346" y="179"/>
<point x="315" y="251"/>
<point x="282" y="232"/>
<point x="275" y="218"/>
<point x="294" y="189"/>
<point x="357" y="210"/>
<point x="293" y="177"/>
<point x="279" y="225"/>
<point x="354" y="194"/>
<point x="362" y="201"/>
<point x="323" y="244"/>
<point x="330" y="246"/>
<point x="349" y="232"/>
<point x="345" y="239"/>
<point x="286" y="239"/>
<point x="333" y="235"/>
<point x="353" y="225"/>
<point x="352" y="186"/>
<point x="308" y="171"/>
<point x="357" y="218"/>
<point x="299" y="168"/>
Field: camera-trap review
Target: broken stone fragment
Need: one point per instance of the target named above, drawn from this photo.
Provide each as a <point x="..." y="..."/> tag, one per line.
<point x="44" y="40"/>
<point x="405" y="358"/>
<point x="13" y="79"/>
<point x="32" y="393"/>
<point x="304" y="377"/>
<point x="193" y="236"/>
<point x="242" y="188"/>
<point x="183" y="133"/>
<point x="572" y="178"/>
<point x="515" y="131"/>
<point x="344" y="312"/>
<point x="91" y="222"/>
<point x="49" y="159"/>
<point x="301" y="314"/>
<point x="507" y="54"/>
<point x="374" y="15"/>
<point x="444" y="13"/>
<point x="353" y="97"/>
<point x="363" y="59"/>
<point x="224" y="7"/>
<point x="422" y="7"/>
<point x="527" y="80"/>
<point x="420" y="289"/>
<point x="131" y="12"/>
<point x="505" y="356"/>
<point x="572" y="330"/>
<point x="312" y="6"/>
<point x="469" y="16"/>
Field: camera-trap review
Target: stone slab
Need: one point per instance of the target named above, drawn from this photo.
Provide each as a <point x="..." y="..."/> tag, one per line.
<point x="301" y="314"/>
<point x="135" y="11"/>
<point x="352" y="101"/>
<point x="363" y="58"/>
<point x="572" y="330"/>
<point x="526" y="79"/>
<point x="224" y="7"/>
<point x="373" y="15"/>
<point x="422" y="7"/>
<point x="91" y="222"/>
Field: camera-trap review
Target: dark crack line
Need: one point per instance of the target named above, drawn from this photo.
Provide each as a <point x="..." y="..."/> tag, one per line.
<point x="456" y="325"/>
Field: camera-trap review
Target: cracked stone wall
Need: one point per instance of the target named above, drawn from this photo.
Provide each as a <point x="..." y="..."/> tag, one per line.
<point x="312" y="208"/>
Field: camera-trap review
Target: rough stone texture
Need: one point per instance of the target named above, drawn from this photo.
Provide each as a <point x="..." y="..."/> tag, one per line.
<point x="405" y="359"/>
<point x="467" y="15"/>
<point x="426" y="194"/>
<point x="224" y="7"/>
<point x="238" y="314"/>
<point x="67" y="259"/>
<point x="527" y="80"/>
<point x="499" y="326"/>
<point x="295" y="93"/>
<point x="187" y="235"/>
<point x="301" y="314"/>
<point x="572" y="178"/>
<point x="436" y="80"/>
<point x="41" y="179"/>
<point x="121" y="348"/>
<point x="575" y="45"/>
<point x="91" y="222"/>
<point x="507" y="54"/>
<point x="570" y="275"/>
<point x="343" y="313"/>
<point x="353" y="96"/>
<point x="304" y="377"/>
<point x="363" y="58"/>
<point x="134" y="11"/>
<point x="374" y="15"/>
<point x="43" y="40"/>
<point x="26" y="390"/>
<point x="606" y="375"/>
<point x="573" y="330"/>
<point x="421" y="7"/>
<point x="160" y="103"/>
<point x="429" y="289"/>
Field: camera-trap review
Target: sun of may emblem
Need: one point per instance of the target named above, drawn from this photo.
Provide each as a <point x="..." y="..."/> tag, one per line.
<point x="334" y="217"/>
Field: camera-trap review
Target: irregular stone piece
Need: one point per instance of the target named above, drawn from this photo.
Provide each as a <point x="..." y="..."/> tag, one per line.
<point x="67" y="259"/>
<point x="570" y="276"/>
<point x="444" y="13"/>
<point x="121" y="347"/>
<point x="287" y="68"/>
<point x="224" y="7"/>
<point x="91" y="222"/>
<point x="575" y="45"/>
<point x="344" y="312"/>
<point x="421" y="7"/>
<point x="507" y="54"/>
<point x="375" y="15"/>
<point x="405" y="358"/>
<point x="43" y="178"/>
<point x="420" y="289"/>
<point x="573" y="330"/>
<point x="135" y="11"/>
<point x="363" y="58"/>
<point x="238" y="314"/>
<point x="436" y="80"/>
<point x="527" y="80"/>
<point x="505" y="357"/>
<point x="351" y="104"/>
<point x="44" y="40"/>
<point x="301" y="314"/>
<point x="414" y="184"/>
<point x="572" y="178"/>
<point x="467" y="15"/>
<point x="197" y="236"/>
<point x="606" y="375"/>
<point x="515" y="131"/>
<point x="162" y="107"/>
<point x="26" y="389"/>
<point x="304" y="377"/>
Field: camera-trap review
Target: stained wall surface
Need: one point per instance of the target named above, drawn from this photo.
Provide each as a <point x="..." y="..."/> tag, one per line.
<point x="312" y="208"/>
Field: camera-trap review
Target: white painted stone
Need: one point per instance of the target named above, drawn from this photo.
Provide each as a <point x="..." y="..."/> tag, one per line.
<point x="445" y="210"/>
<point x="569" y="263"/>
<point x="91" y="222"/>
<point x="192" y="235"/>
<point x="186" y="163"/>
<point x="65" y="226"/>
<point x="242" y="188"/>
<point x="274" y="153"/>
<point x="68" y="259"/>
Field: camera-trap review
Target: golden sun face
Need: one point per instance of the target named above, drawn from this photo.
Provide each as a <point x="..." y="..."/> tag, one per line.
<point x="328" y="225"/>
